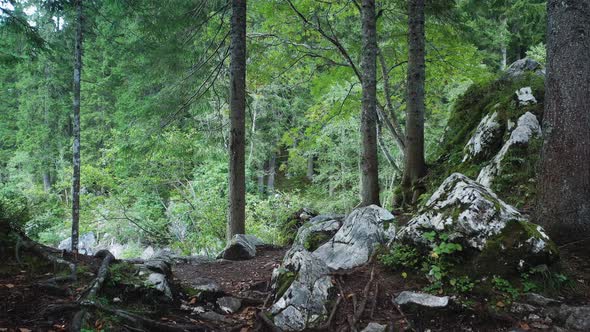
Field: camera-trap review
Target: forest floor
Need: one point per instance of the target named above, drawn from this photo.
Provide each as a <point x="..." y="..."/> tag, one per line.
<point x="24" y="299"/>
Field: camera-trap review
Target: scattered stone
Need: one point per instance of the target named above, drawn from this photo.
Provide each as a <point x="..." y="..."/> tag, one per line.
<point x="229" y="304"/>
<point x="525" y="96"/>
<point x="374" y="327"/>
<point x="215" y="317"/>
<point x="354" y="243"/>
<point x="206" y="286"/>
<point x="421" y="299"/>
<point x="528" y="127"/>
<point x="117" y="300"/>
<point x="486" y="136"/>
<point x="147" y="253"/>
<point x="522" y="308"/>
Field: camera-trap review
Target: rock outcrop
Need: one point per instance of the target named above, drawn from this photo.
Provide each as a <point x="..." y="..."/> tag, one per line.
<point x="527" y="128"/>
<point x="486" y="135"/>
<point x="303" y="285"/>
<point x="520" y="67"/>
<point x="473" y="216"/>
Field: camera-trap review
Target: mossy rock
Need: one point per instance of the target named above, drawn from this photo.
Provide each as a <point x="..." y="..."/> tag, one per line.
<point x="315" y="240"/>
<point x="284" y="281"/>
<point x="520" y="245"/>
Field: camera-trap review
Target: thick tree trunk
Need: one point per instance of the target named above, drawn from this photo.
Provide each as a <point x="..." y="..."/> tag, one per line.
<point x="369" y="159"/>
<point x="237" y="173"/>
<point x="563" y="206"/>
<point x="270" y="184"/>
<point x="76" y="129"/>
<point x="415" y="168"/>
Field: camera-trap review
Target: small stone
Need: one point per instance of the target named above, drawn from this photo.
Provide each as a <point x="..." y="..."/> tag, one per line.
<point x="117" y="300"/>
<point x="228" y="304"/>
<point x="540" y="300"/>
<point x="533" y="318"/>
<point x="421" y="299"/>
<point x="522" y="308"/>
<point x="213" y="316"/>
<point x="539" y="326"/>
<point x="239" y="248"/>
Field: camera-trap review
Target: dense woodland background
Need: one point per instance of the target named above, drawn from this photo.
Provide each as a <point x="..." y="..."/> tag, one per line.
<point x="155" y="116"/>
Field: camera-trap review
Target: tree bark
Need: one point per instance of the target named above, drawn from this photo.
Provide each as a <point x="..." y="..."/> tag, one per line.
<point x="415" y="168"/>
<point x="76" y="129"/>
<point x="260" y="177"/>
<point x="504" y="23"/>
<point x="237" y="173"/>
<point x="563" y="206"/>
<point x="310" y="167"/>
<point x="369" y="160"/>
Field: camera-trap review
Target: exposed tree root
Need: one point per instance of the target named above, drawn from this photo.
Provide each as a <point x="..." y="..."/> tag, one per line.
<point x="44" y="253"/>
<point x="360" y="306"/>
<point x="101" y="276"/>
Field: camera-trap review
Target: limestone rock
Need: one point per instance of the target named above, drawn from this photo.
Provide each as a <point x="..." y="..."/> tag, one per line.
<point x="525" y="96"/>
<point x="303" y="304"/>
<point x="527" y="128"/>
<point x="485" y="137"/>
<point x="160" y="282"/>
<point x="86" y="244"/>
<point x="421" y="299"/>
<point x="374" y="327"/>
<point x="356" y="240"/>
<point x="241" y="247"/>
<point x="463" y="208"/>
<point x="520" y="67"/>
<point x="316" y="232"/>
<point x="229" y="304"/>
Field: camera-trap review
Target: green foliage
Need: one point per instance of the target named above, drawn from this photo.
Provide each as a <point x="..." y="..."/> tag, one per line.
<point x="401" y="257"/>
<point x="14" y="208"/>
<point x="505" y="287"/>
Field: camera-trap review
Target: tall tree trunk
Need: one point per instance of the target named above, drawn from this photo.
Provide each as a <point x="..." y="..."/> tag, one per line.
<point x="369" y="160"/>
<point x="270" y="184"/>
<point x="563" y="205"/>
<point x="237" y="173"/>
<point x="415" y="168"/>
<point x="504" y="23"/>
<point x="76" y="129"/>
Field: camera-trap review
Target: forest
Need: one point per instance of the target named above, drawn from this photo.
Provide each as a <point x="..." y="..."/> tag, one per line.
<point x="295" y="165"/>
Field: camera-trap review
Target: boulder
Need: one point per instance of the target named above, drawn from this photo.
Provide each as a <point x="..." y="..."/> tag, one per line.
<point x="86" y="244"/>
<point x="486" y="136"/>
<point x="302" y="284"/>
<point x="522" y="66"/>
<point x="407" y="298"/>
<point x="240" y="247"/>
<point x="303" y="305"/>
<point x="354" y="243"/>
<point x="160" y="282"/>
<point x="527" y="128"/>
<point x="473" y="216"/>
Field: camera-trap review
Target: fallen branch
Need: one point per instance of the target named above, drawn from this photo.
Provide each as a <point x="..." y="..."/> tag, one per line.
<point x="360" y="307"/>
<point x="328" y="323"/>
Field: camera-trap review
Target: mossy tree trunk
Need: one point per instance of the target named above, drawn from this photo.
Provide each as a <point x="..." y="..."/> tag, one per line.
<point x="563" y="205"/>
<point x="76" y="131"/>
<point x="415" y="166"/>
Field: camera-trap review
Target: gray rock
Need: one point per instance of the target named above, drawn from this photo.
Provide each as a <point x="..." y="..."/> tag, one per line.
<point x="239" y="248"/>
<point x="421" y="299"/>
<point x="522" y="308"/>
<point x="158" y="266"/>
<point x="229" y="304"/>
<point x="206" y="285"/>
<point x="485" y="136"/>
<point x="481" y="213"/>
<point x="527" y="128"/>
<point x="354" y="243"/>
<point x="539" y="300"/>
<point x="324" y="217"/>
<point x="303" y="304"/>
<point x="576" y="318"/>
<point x="86" y="244"/>
<point x="213" y="316"/>
<point x="525" y="96"/>
<point x="159" y="282"/>
<point x="311" y="233"/>
<point x="147" y="253"/>
<point x="374" y="327"/>
<point x="520" y="67"/>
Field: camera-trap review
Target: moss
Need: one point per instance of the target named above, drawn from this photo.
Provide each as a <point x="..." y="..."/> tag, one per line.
<point x="315" y="240"/>
<point x="124" y="273"/>
<point x="503" y="252"/>
<point x="284" y="281"/>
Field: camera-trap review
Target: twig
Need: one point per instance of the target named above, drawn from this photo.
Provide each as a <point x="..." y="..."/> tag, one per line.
<point x="328" y="323"/>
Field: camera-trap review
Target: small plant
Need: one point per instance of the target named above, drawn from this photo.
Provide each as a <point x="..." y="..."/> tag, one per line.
<point x="505" y="287"/>
<point x="462" y="284"/>
<point x="401" y="256"/>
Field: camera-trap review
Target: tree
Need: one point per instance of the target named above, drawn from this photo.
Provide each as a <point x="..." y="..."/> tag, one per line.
<point x="564" y="179"/>
<point x="369" y="160"/>
<point x="237" y="92"/>
<point x="415" y="166"/>
<point x="76" y="128"/>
